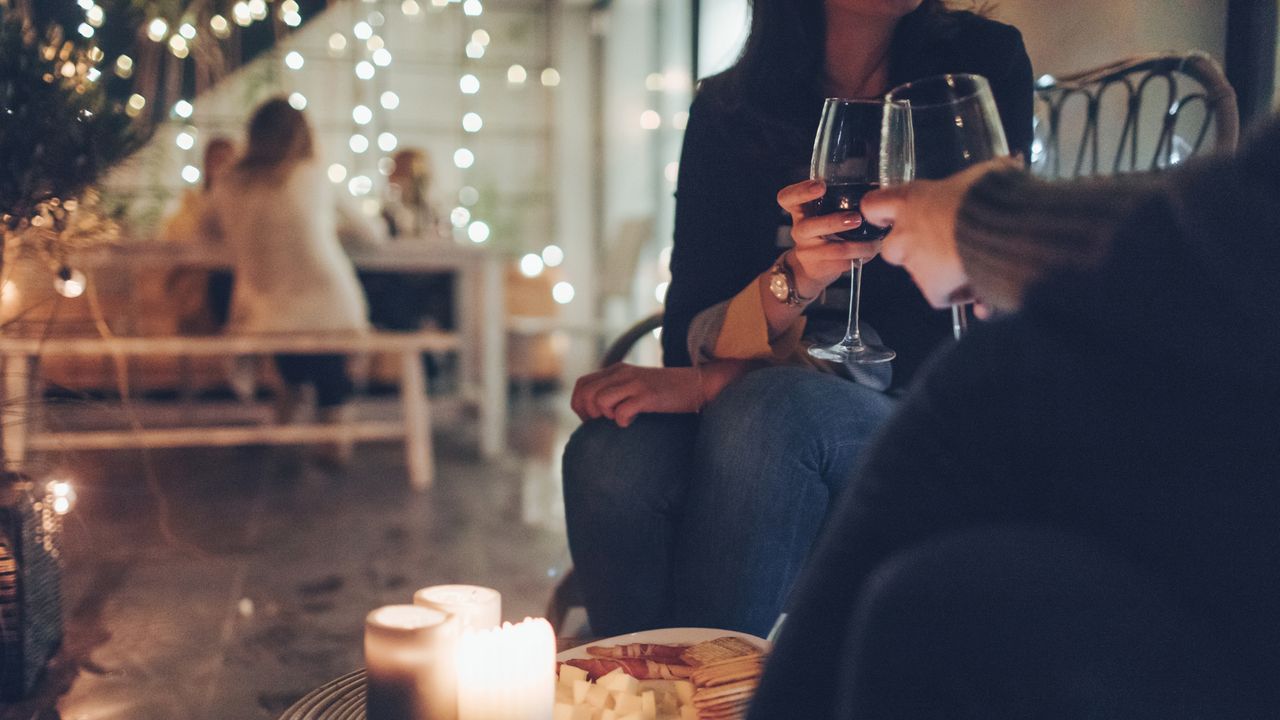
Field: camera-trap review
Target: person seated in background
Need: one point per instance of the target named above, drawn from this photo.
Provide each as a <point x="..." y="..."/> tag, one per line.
<point x="677" y="518"/>
<point x="197" y="297"/>
<point x="189" y="223"/>
<point x="1076" y="513"/>
<point x="281" y="222"/>
<point x="408" y="209"/>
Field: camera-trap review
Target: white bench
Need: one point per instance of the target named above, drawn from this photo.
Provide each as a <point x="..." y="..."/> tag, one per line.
<point x="414" y="428"/>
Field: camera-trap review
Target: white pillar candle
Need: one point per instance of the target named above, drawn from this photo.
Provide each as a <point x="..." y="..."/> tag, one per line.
<point x="478" y="608"/>
<point x="507" y="673"/>
<point x="409" y="655"/>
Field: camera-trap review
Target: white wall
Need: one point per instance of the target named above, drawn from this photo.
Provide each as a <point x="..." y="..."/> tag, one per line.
<point x="1066" y="36"/>
<point x="721" y="33"/>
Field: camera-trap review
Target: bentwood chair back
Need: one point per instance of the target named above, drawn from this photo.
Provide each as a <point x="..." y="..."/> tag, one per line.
<point x="1141" y="114"/>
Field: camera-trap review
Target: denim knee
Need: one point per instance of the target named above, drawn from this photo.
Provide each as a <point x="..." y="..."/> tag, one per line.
<point x="605" y="462"/>
<point x="793" y="412"/>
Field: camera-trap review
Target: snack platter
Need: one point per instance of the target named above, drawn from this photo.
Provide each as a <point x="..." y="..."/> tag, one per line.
<point x="669" y="674"/>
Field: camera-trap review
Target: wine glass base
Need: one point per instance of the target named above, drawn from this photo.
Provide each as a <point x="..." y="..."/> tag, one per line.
<point x="863" y="354"/>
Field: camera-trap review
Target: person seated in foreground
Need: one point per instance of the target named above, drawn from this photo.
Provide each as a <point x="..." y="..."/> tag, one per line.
<point x="694" y="492"/>
<point x="1076" y="513"/>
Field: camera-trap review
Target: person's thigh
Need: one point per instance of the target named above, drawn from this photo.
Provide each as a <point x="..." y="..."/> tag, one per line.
<point x="1018" y="622"/>
<point x="623" y="491"/>
<point x="774" y="449"/>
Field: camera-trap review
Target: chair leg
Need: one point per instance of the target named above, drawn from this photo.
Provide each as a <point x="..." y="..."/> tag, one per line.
<point x="419" y="454"/>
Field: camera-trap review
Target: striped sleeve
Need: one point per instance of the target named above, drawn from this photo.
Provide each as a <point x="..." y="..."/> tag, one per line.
<point x="1012" y="229"/>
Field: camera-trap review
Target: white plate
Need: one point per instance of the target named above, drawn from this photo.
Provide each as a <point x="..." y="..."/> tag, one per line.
<point x="665" y="636"/>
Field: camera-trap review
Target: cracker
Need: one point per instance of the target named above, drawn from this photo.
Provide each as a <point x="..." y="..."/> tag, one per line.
<point x="714" y="695"/>
<point x="724" y="648"/>
<point x="714" y="673"/>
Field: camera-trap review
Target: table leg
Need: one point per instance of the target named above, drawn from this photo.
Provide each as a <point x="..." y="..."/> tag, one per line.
<point x="16" y="405"/>
<point x="493" y="361"/>
<point x="419" y="453"/>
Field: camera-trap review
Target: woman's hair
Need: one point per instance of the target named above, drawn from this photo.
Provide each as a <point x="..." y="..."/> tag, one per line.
<point x="782" y="66"/>
<point x="219" y="156"/>
<point x="279" y="136"/>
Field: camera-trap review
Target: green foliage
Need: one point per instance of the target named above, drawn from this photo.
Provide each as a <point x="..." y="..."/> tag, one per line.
<point x="59" y="132"/>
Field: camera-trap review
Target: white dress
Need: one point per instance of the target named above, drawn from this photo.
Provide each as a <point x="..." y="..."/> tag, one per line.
<point x="291" y="273"/>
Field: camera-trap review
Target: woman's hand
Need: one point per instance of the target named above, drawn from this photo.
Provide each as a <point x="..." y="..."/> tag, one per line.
<point x="816" y="259"/>
<point x="923" y="240"/>
<point x="620" y="392"/>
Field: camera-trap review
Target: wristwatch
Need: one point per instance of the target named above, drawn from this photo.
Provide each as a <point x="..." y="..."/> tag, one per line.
<point x="782" y="283"/>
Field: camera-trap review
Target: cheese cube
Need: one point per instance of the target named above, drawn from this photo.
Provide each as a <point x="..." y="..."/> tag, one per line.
<point x="562" y="711"/>
<point x="684" y="691"/>
<point x="596" y="696"/>
<point x="580" y="688"/>
<point x="626" y="704"/>
<point x="632" y="716"/>
<point x="648" y="705"/>
<point x="688" y="712"/>
<point x="569" y="674"/>
<point x="610" y="677"/>
<point x="564" y="694"/>
<point x="620" y="682"/>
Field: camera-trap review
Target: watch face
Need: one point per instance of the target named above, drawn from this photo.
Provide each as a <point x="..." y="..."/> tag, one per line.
<point x="779" y="286"/>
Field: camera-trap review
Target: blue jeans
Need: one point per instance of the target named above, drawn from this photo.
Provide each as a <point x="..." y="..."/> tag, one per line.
<point x="705" y="520"/>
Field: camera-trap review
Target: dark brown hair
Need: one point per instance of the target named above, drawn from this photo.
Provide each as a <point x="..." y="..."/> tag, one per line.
<point x="279" y="136"/>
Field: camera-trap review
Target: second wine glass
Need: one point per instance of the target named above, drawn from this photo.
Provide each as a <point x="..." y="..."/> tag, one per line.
<point x="860" y="145"/>
<point x="956" y="124"/>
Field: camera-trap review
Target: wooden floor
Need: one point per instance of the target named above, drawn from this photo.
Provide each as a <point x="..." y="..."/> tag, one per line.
<point x="223" y="584"/>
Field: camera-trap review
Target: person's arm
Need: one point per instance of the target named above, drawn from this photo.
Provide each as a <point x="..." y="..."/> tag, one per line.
<point x="1011" y="229"/>
<point x="717" y="227"/>
<point x="990" y="231"/>
<point x="754" y="324"/>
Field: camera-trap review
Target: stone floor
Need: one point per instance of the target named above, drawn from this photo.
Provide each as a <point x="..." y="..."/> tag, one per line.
<point x="225" y="584"/>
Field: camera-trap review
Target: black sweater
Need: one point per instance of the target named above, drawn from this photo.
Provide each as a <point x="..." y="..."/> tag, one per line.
<point x="1135" y="400"/>
<point x="733" y="164"/>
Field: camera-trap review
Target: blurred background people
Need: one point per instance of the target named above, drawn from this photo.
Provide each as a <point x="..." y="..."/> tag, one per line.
<point x="189" y="223"/>
<point x="281" y="223"/>
<point x="408" y="210"/>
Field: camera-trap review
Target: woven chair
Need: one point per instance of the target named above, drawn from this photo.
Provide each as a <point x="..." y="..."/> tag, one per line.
<point x="1141" y="114"/>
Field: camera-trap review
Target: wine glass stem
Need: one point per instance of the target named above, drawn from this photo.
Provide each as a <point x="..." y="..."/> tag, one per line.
<point x="959" y="321"/>
<point x="852" y="331"/>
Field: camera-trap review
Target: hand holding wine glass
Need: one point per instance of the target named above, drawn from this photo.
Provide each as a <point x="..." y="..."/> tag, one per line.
<point x="955" y="125"/>
<point x="923" y="216"/>
<point x="860" y="143"/>
<point x="815" y="259"/>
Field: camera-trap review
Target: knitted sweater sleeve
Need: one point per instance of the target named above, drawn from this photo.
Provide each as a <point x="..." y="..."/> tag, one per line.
<point x="1012" y="229"/>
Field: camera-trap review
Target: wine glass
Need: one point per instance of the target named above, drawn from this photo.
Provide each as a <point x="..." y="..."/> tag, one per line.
<point x="860" y="145"/>
<point x="955" y="125"/>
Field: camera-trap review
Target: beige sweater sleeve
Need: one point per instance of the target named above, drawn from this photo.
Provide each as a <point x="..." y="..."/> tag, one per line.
<point x="1012" y="229"/>
<point x="736" y="329"/>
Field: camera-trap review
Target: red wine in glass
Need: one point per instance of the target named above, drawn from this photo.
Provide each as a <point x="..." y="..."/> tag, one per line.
<point x="845" y="197"/>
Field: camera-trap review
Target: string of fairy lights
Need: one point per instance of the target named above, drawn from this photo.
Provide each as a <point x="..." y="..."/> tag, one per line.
<point x="374" y="103"/>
